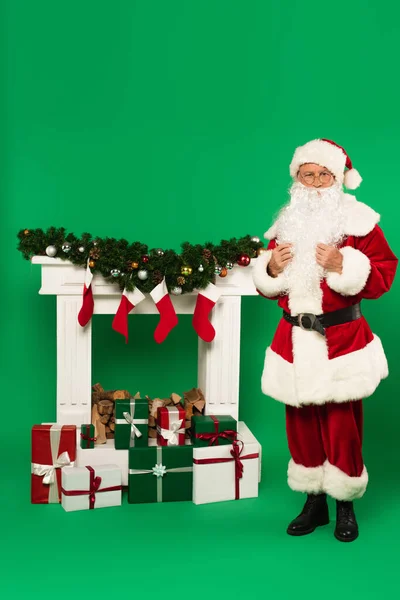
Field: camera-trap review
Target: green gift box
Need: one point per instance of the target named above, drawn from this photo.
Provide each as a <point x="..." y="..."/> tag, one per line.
<point x="160" y="474"/>
<point x="87" y="436"/>
<point x="131" y="423"/>
<point x="213" y="430"/>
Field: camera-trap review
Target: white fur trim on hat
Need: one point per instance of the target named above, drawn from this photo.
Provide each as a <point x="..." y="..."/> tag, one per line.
<point x="326" y="154"/>
<point x="352" y="179"/>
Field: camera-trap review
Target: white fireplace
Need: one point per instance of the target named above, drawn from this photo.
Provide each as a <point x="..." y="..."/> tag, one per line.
<point x="218" y="361"/>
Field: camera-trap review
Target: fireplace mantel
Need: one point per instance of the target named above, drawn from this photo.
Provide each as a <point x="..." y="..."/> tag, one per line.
<point x="218" y="361"/>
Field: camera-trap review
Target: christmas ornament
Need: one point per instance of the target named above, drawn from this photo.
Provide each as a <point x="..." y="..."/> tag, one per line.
<point x="145" y="259"/>
<point x="143" y="274"/>
<point x="186" y="270"/>
<point x="135" y="265"/>
<point x="181" y="280"/>
<point x="217" y="269"/>
<point x="224" y="272"/>
<point x="159" y="252"/>
<point x="200" y="269"/>
<point x="176" y="291"/>
<point x="255" y="239"/>
<point x="229" y="265"/>
<point x="92" y="264"/>
<point x="26" y="232"/>
<point x="261" y="251"/>
<point x="115" y="272"/>
<point x="81" y="249"/>
<point x="66" y="247"/>
<point x="51" y="251"/>
<point x="243" y="260"/>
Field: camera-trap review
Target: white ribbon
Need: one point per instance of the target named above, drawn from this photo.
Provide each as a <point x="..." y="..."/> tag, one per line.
<point x="130" y="419"/>
<point x="175" y="427"/>
<point x="48" y="472"/>
<point x="172" y="435"/>
<point x="159" y="470"/>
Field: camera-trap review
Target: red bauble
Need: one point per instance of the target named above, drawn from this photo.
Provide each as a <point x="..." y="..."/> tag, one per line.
<point x="145" y="259"/>
<point x="243" y="260"/>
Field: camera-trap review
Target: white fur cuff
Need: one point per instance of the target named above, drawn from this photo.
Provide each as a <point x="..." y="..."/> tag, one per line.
<point x="355" y="273"/>
<point x="305" y="479"/>
<point x="267" y="285"/>
<point x="340" y="486"/>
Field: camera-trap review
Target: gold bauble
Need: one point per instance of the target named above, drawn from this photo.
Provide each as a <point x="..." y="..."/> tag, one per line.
<point x="26" y="232"/>
<point x="135" y="265"/>
<point x="92" y="264"/>
<point x="261" y="251"/>
<point x="224" y="272"/>
<point x="186" y="270"/>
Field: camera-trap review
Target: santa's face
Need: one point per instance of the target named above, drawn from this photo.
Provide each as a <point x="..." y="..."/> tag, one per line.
<point x="313" y="175"/>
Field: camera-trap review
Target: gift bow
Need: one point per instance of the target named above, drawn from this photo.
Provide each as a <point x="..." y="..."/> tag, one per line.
<point x="228" y="434"/>
<point x="134" y="429"/>
<point x="48" y="472"/>
<point x="172" y="434"/>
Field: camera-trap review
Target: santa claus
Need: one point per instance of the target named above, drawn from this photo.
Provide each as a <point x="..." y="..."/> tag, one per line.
<point x="326" y="253"/>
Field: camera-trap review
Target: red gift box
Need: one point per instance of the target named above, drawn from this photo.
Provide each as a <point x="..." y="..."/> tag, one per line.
<point x="171" y="426"/>
<point x="53" y="447"/>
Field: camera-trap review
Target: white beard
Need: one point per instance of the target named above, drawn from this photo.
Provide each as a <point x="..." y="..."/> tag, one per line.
<point x="311" y="217"/>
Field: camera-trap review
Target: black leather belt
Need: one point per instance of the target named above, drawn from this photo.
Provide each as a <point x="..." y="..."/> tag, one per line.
<point x="318" y="323"/>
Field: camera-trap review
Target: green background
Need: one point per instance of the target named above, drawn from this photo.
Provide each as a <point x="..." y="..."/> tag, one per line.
<point x="164" y="122"/>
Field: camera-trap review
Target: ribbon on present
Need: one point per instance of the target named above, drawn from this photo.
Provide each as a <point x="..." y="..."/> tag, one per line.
<point x="94" y="488"/>
<point x="213" y="438"/>
<point x="129" y="417"/>
<point x="159" y="470"/>
<point x="175" y="429"/>
<point x="172" y="434"/>
<point x="48" y="472"/>
<point x="87" y="438"/>
<point x="236" y="453"/>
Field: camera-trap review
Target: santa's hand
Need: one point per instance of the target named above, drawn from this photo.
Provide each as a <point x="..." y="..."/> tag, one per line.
<point x="280" y="257"/>
<point x="329" y="258"/>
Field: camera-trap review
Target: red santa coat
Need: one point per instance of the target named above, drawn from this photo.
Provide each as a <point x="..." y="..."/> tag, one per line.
<point x="304" y="367"/>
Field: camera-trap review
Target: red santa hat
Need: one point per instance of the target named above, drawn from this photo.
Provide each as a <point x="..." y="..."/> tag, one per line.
<point x="330" y="155"/>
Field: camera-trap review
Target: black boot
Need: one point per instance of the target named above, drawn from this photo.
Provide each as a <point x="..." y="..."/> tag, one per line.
<point x="314" y="514"/>
<point x="346" y="524"/>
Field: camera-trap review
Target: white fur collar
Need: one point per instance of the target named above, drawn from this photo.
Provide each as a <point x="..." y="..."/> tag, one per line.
<point x="360" y="218"/>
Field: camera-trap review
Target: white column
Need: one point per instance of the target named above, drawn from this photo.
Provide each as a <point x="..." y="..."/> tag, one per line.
<point x="74" y="363"/>
<point x="219" y="361"/>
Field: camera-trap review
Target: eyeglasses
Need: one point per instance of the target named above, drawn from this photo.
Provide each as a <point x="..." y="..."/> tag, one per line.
<point x="324" y="177"/>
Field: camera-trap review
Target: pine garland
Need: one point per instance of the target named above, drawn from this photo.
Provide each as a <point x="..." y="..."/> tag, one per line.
<point x="119" y="261"/>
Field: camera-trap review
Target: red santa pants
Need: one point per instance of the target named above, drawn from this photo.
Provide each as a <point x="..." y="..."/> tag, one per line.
<point x="325" y="443"/>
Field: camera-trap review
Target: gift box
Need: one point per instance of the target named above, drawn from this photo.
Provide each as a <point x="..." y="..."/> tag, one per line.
<point x="171" y="426"/>
<point x="222" y="473"/>
<point x="85" y="488"/>
<point x="87" y="436"/>
<point x="53" y="447"/>
<point x="213" y="430"/>
<point x="160" y="474"/>
<point x="131" y="423"/>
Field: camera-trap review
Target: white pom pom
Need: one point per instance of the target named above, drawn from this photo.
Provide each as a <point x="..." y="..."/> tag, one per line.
<point x="352" y="179"/>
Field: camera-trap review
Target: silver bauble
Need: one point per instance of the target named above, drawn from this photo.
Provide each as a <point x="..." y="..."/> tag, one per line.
<point x="51" y="251"/>
<point x="255" y="239"/>
<point x="200" y="268"/>
<point x="143" y="274"/>
<point x="115" y="272"/>
<point x="176" y="291"/>
<point x="217" y="269"/>
<point x="160" y="252"/>
<point x="81" y="249"/>
<point x="229" y="265"/>
<point x="66" y="247"/>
